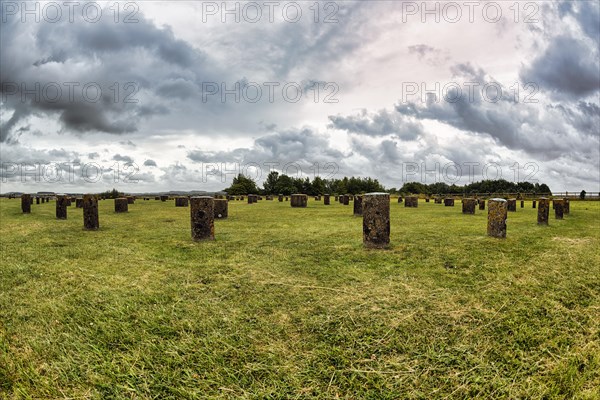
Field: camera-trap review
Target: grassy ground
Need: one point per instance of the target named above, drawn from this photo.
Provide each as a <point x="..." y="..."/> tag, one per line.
<point x="287" y="303"/>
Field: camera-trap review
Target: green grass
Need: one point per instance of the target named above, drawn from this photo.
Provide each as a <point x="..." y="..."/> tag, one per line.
<point x="286" y="303"/>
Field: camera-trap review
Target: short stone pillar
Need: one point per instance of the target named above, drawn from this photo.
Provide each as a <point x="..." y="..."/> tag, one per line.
<point x="468" y="206"/>
<point x="241" y="198"/>
<point x="156" y="197"/>
<point x="376" y="220"/>
<point x="130" y="199"/>
<point x="346" y="199"/>
<point x="121" y="205"/>
<point x="326" y="199"/>
<point x="411" y="201"/>
<point x="299" y="200"/>
<point x="37" y="200"/>
<point x="533" y="204"/>
<point x="287" y="198"/>
<point x="399" y="199"/>
<point x="26" y="203"/>
<point x="358" y="205"/>
<point x="497" y="214"/>
<point x="522" y="203"/>
<point x="251" y="199"/>
<point x="336" y="198"/>
<point x="221" y="209"/>
<point x="202" y="217"/>
<point x="427" y="199"/>
<point x="68" y="201"/>
<point x="182" y="201"/>
<point x="61" y="207"/>
<point x="448" y="202"/>
<point x="543" y="211"/>
<point x="78" y="203"/>
<point x="90" y="212"/>
<point x="511" y="205"/>
<point x="481" y="204"/>
<point x="438" y="200"/>
<point x="280" y="198"/>
<point x="164" y="198"/>
<point x="566" y="206"/>
<point x="559" y="209"/>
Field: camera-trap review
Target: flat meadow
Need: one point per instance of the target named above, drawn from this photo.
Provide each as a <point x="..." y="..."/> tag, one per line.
<point x="287" y="303"/>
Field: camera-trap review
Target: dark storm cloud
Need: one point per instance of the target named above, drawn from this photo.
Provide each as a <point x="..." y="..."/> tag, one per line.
<point x="140" y="55"/>
<point x="566" y="68"/>
<point x="539" y="131"/>
<point x="303" y="146"/>
<point x="381" y="123"/>
<point x="150" y="163"/>
<point x="125" y="159"/>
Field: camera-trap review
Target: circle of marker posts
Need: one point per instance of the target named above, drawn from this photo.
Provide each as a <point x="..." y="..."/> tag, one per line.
<point x="374" y="208"/>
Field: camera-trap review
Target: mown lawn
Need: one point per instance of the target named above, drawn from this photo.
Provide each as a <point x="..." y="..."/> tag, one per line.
<point x="286" y="303"/>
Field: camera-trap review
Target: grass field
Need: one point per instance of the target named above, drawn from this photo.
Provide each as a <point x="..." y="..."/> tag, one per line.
<point x="286" y="303"/>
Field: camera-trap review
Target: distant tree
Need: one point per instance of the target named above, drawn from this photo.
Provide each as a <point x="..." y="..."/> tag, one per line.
<point x="285" y="185"/>
<point x="582" y="195"/>
<point x="270" y="184"/>
<point x="242" y="185"/>
<point x="111" y="194"/>
<point x="318" y="186"/>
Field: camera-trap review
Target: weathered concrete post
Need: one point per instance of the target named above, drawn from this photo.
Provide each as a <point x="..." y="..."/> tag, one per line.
<point x="121" y="205"/>
<point x="399" y="199"/>
<point x="533" y="204"/>
<point x="566" y="206"/>
<point x="280" y="198"/>
<point x="358" y="205"/>
<point x="221" y="209"/>
<point x="346" y="199"/>
<point x="411" y="201"/>
<point x="181" y="201"/>
<point x="78" y="203"/>
<point x="299" y="200"/>
<point x="511" y="205"/>
<point x="61" y="207"/>
<point x="37" y="200"/>
<point x="468" y="206"/>
<point x="130" y="200"/>
<point x="543" y="211"/>
<point x="448" y="202"/>
<point x="522" y="203"/>
<point x="335" y="198"/>
<point x="326" y="199"/>
<point x="26" y="203"/>
<point x="481" y="204"/>
<point x="559" y="209"/>
<point x="90" y="212"/>
<point x="202" y="217"/>
<point x="376" y="220"/>
<point x="497" y="214"/>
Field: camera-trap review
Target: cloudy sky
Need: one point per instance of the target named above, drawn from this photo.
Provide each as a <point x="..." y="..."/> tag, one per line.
<point x="183" y="95"/>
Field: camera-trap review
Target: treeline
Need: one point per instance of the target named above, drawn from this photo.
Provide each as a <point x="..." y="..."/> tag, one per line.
<point x="486" y="186"/>
<point x="111" y="194"/>
<point x="283" y="184"/>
